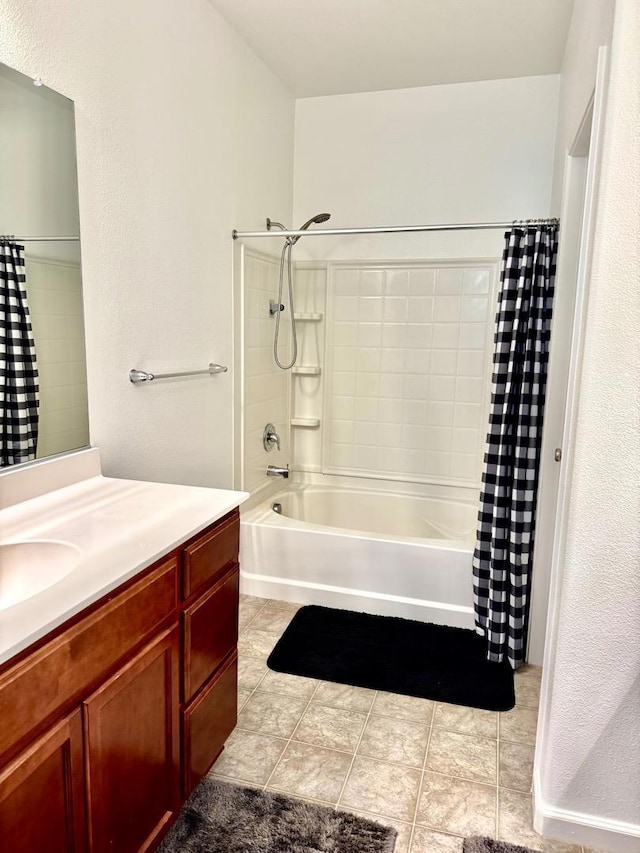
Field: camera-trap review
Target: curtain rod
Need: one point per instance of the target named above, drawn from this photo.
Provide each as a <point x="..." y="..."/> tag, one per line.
<point x="38" y="239"/>
<point x="394" y="229"/>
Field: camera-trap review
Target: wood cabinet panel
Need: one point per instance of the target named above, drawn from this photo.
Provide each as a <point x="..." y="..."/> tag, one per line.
<point x="210" y="556"/>
<point x="42" y="804"/>
<point x="208" y="722"/>
<point x="210" y="628"/>
<point x="132" y="748"/>
<point x="57" y="675"/>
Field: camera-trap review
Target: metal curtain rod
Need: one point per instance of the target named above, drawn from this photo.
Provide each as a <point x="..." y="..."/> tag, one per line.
<point x="394" y="229"/>
<point x="38" y="239"/>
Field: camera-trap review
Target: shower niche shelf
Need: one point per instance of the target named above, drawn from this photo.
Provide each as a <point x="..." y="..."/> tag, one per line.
<point x="306" y="370"/>
<point x="307" y="423"/>
<point x="309" y="316"/>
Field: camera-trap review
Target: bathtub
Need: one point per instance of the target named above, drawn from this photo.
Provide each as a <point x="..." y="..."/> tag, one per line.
<point x="376" y="552"/>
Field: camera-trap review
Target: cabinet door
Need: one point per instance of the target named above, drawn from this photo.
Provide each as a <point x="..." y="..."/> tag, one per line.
<point x="132" y="750"/>
<point x="42" y="794"/>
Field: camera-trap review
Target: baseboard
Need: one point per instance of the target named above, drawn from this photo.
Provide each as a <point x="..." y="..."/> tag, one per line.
<point x="589" y="830"/>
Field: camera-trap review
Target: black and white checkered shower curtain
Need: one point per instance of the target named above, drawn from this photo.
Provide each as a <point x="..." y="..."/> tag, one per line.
<point x="19" y="397"/>
<point x="506" y="519"/>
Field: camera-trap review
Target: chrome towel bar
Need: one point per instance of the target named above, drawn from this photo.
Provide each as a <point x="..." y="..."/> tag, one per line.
<point x="137" y="376"/>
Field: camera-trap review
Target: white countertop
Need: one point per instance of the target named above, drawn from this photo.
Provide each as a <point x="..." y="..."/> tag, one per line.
<point x="120" y="527"/>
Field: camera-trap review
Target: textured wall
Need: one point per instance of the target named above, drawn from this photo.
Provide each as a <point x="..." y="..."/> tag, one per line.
<point x="167" y="102"/>
<point x="468" y="152"/>
<point x="588" y="755"/>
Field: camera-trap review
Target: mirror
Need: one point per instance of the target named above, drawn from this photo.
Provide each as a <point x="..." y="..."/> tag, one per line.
<point x="43" y="381"/>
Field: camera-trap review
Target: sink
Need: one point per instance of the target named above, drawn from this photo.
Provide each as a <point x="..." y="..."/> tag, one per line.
<point x="27" y="568"/>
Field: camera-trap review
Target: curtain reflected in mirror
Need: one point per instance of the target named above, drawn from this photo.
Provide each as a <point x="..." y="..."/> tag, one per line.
<point x="43" y="384"/>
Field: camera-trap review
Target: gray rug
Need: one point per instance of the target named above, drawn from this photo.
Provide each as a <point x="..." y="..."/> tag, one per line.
<point x="220" y="817"/>
<point x="490" y="845"/>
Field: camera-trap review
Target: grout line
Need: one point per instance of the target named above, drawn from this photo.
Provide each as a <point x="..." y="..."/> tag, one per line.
<point x="346" y="778"/>
<point x="424" y="768"/>
<point x="295" y="728"/>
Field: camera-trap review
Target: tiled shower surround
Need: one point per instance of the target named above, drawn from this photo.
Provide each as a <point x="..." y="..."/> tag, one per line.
<point x="55" y="300"/>
<point x="266" y="387"/>
<point x="392" y="378"/>
<point x="408" y="363"/>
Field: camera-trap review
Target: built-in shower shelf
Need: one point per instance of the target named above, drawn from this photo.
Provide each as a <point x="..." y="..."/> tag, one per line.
<point x="309" y="316"/>
<point x="308" y="423"/>
<point x="306" y="370"/>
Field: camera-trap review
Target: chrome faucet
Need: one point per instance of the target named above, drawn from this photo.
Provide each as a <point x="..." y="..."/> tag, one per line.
<point x="276" y="471"/>
<point x="270" y="438"/>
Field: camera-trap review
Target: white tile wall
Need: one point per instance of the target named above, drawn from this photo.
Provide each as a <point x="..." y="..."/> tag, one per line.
<point x="265" y="386"/>
<point x="408" y="369"/>
<point x="54" y="292"/>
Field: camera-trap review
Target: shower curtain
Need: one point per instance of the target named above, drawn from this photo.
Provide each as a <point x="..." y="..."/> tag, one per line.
<point x="506" y="519"/>
<point x="18" y="371"/>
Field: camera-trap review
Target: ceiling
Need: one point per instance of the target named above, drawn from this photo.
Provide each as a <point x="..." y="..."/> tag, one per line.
<point x="332" y="47"/>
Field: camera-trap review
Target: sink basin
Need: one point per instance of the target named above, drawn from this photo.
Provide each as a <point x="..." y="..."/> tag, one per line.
<point x="27" y="568"/>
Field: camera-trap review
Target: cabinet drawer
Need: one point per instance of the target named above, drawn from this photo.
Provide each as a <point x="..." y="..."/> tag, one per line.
<point x="208" y="722"/>
<point x="211" y="555"/>
<point x="57" y="674"/>
<point x="210" y="632"/>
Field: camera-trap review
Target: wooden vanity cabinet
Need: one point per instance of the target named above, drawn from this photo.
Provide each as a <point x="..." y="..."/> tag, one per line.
<point x="109" y="722"/>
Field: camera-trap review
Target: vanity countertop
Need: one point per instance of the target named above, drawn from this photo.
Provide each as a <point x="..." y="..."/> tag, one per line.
<point x="120" y="528"/>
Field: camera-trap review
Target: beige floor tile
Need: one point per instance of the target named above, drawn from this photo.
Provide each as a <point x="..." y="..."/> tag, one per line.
<point x="272" y="618"/>
<point x="288" y="685"/>
<point x="291" y="606"/>
<point x="270" y="714"/>
<point x="344" y="696"/>
<point x="244" y="599"/>
<point x="515" y="824"/>
<point x="398" y="741"/>
<point x="249" y="609"/>
<point x="515" y="766"/>
<point x="250" y="671"/>
<point x="518" y="725"/>
<point x="428" y="841"/>
<point x="457" y="806"/>
<point x="249" y="757"/>
<point x="403" y="707"/>
<point x="333" y="728"/>
<point x="469" y="721"/>
<point x="257" y="644"/>
<point x="467" y="756"/>
<point x="243" y="697"/>
<point x="527" y="686"/>
<point x="311" y="771"/>
<point x="383" y="789"/>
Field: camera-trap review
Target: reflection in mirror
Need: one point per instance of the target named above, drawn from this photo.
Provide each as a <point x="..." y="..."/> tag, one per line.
<point x="43" y="378"/>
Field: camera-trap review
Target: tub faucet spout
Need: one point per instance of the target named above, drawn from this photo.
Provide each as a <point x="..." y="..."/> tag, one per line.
<point x="275" y="471"/>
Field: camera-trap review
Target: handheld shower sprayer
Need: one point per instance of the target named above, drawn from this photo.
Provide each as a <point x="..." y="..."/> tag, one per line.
<point x="285" y="258"/>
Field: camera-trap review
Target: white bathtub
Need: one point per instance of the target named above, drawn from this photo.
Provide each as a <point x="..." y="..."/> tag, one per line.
<point x="377" y="552"/>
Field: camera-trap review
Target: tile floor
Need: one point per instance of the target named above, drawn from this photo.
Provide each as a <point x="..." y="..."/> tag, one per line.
<point x="436" y="772"/>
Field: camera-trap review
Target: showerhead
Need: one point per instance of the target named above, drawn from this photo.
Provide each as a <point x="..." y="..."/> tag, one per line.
<point x="315" y="220"/>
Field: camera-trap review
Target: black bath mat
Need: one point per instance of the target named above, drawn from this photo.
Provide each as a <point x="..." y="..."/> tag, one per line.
<point x="220" y="817"/>
<point x="394" y="655"/>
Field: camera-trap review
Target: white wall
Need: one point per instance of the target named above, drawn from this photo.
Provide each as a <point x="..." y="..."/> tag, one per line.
<point x="587" y="771"/>
<point x="180" y="129"/>
<point x="591" y="26"/>
<point x="468" y="152"/>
